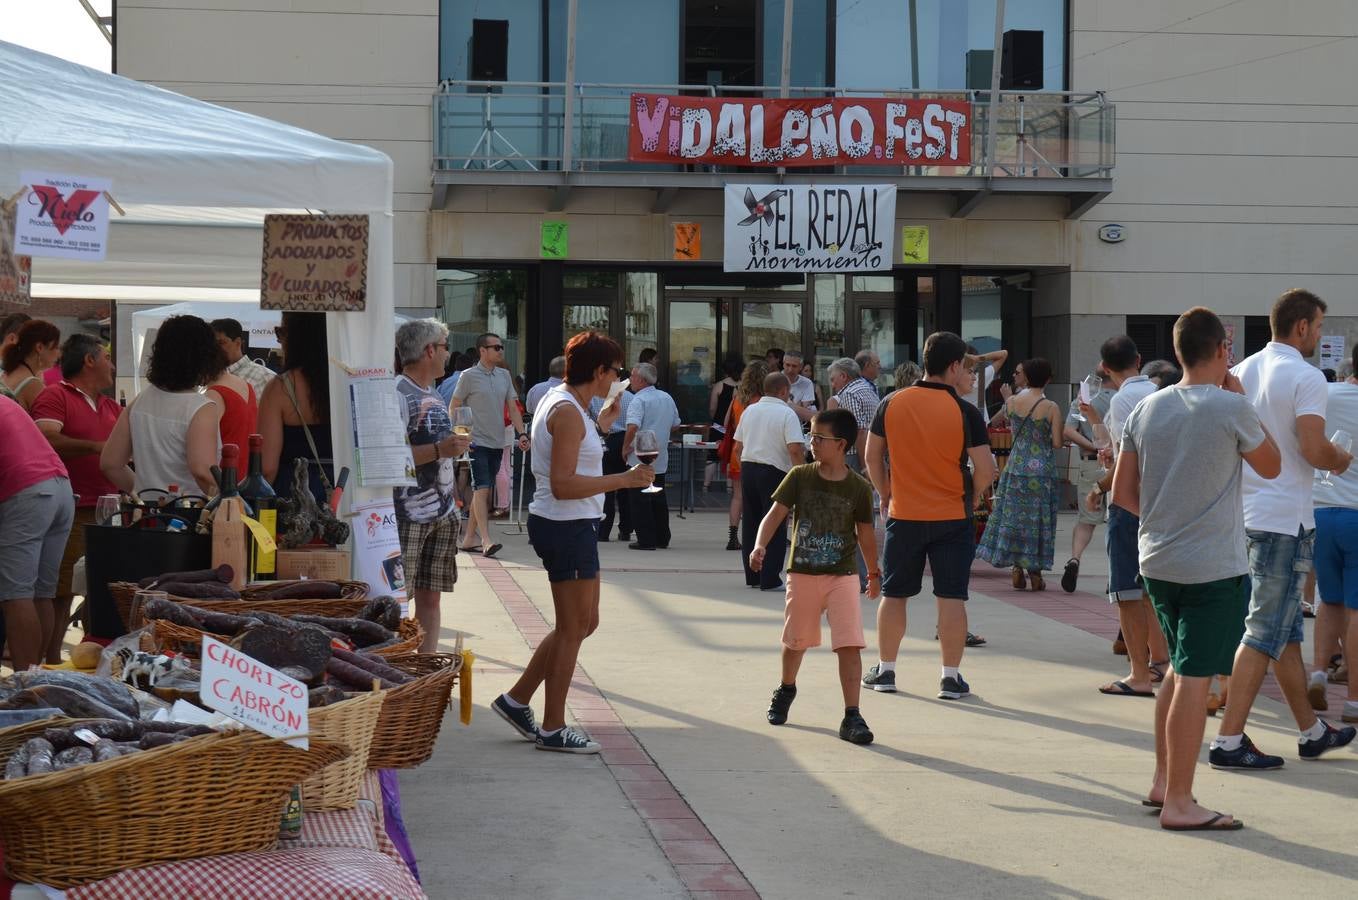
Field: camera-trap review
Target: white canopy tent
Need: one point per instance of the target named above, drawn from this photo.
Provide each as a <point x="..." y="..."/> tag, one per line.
<point x="193" y="177"/>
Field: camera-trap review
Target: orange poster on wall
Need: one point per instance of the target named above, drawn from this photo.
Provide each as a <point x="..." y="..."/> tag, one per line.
<point x="688" y="240"/>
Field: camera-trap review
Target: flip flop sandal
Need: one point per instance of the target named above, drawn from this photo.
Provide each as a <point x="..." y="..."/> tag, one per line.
<point x="473" y="549"/>
<point x="1209" y="825"/>
<point x="489" y="552"/>
<point x="975" y="640"/>
<point x="1158" y="671"/>
<point x="1157" y="805"/>
<point x="1123" y="689"/>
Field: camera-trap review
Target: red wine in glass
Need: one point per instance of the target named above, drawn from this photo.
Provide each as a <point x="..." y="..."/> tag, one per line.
<point x="648" y="458"/>
<point x="648" y="451"/>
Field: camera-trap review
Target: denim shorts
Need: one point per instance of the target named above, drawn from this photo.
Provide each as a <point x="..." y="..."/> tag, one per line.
<point x="485" y="466"/>
<point x="1337" y="556"/>
<point x="34" y="526"/>
<point x="1278" y="567"/>
<point x="948" y="548"/>
<point x="1124" y="567"/>
<point x="569" y="549"/>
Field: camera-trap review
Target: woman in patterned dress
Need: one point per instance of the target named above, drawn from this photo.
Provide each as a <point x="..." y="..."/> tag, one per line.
<point x="1021" y="532"/>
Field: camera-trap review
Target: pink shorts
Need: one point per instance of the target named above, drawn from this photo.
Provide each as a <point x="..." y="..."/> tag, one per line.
<point x="810" y="596"/>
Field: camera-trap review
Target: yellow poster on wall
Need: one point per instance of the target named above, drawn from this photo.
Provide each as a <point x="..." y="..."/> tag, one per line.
<point x="914" y="243"/>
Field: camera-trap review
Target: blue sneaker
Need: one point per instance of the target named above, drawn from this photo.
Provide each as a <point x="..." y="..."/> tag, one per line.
<point x="1246" y="756"/>
<point x="880" y="681"/>
<point x="567" y="740"/>
<point x="1333" y="738"/>
<point x="953" y="688"/>
<point x="521" y="718"/>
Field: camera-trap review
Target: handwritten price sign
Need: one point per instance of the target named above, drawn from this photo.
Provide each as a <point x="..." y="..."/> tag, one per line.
<point x="255" y="695"/>
<point x="315" y="263"/>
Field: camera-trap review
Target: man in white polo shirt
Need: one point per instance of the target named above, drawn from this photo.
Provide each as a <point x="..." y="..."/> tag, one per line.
<point x="1290" y="396"/>
<point x="768" y="443"/>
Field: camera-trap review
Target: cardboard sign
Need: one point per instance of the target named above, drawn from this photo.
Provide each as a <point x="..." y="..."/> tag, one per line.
<point x="255" y="695"/>
<point x="809" y="131"/>
<point x="555" y="239"/>
<point x="65" y="216"/>
<point x="914" y="243"/>
<point x="809" y="227"/>
<point x="688" y="240"/>
<point x="16" y="271"/>
<point x="315" y="263"/>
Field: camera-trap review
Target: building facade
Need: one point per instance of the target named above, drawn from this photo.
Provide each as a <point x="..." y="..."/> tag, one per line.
<point x="1143" y="158"/>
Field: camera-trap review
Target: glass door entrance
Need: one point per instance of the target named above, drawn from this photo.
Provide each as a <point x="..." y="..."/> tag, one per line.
<point x="767" y="324"/>
<point x="700" y="334"/>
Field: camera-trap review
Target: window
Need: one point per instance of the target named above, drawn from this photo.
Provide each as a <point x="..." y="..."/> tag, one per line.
<point x="1153" y="336"/>
<point x="809" y="46"/>
<point x="475" y="301"/>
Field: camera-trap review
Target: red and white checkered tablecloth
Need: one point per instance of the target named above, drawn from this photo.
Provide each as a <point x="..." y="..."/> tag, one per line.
<point x="340" y="855"/>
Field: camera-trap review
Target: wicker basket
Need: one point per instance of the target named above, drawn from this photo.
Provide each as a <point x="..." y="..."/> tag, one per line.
<point x="13" y="737"/>
<point x="353" y="594"/>
<point x="412" y="713"/>
<point x="351" y="723"/>
<point x="207" y="796"/>
<point x="189" y="641"/>
<point x="411" y="636"/>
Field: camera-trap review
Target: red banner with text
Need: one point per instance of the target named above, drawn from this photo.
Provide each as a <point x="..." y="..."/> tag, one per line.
<point x="748" y="131"/>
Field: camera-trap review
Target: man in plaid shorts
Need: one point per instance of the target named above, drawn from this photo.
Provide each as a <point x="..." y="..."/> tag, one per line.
<point x="426" y="514"/>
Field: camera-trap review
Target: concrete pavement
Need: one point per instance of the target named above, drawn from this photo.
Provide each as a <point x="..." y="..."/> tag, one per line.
<point x="1030" y="788"/>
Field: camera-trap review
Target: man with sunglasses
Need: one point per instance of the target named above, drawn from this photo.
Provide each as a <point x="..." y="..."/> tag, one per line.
<point x="488" y="390"/>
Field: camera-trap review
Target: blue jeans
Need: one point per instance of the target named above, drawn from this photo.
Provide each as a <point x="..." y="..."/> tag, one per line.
<point x="1279" y="564"/>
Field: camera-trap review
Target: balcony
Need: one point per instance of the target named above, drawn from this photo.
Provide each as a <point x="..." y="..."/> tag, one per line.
<point x="540" y="134"/>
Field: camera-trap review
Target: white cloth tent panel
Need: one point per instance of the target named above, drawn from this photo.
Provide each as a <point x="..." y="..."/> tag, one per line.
<point x="161" y="148"/>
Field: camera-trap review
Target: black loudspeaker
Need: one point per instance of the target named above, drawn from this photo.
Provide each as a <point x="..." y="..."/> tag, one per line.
<point x="490" y="50"/>
<point x="1021" y="64"/>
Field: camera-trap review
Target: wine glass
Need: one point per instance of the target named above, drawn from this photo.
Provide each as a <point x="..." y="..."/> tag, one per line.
<point x="1344" y="441"/>
<point x="647" y="449"/>
<point x="106" y="508"/>
<point x="463" y="422"/>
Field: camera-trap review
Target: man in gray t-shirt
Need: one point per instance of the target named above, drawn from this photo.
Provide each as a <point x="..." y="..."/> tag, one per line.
<point x="488" y="390"/>
<point x="1179" y="470"/>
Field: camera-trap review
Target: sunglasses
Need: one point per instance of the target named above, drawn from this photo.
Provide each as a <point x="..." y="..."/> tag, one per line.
<point x="617" y="370"/>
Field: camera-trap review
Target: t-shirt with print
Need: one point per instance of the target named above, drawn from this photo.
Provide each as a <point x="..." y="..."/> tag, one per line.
<point x="434" y="495"/>
<point x="825" y="517"/>
<point x="1188" y="441"/>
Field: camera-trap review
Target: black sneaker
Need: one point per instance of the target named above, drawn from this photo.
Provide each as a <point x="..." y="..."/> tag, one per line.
<point x="1070" y="576"/>
<point x="953" y="688"/>
<point x="521" y="718"/>
<point x="1246" y="756"/>
<point x="567" y="740"/>
<point x="781" y="703"/>
<point x="853" y="729"/>
<point x="733" y="543"/>
<point x="880" y="681"/>
<point x="1330" y="740"/>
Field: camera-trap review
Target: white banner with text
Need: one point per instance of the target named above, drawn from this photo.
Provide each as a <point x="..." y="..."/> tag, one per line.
<point x="809" y="228"/>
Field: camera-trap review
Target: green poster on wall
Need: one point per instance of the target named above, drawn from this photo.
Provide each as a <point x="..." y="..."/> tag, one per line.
<point x="555" y="237"/>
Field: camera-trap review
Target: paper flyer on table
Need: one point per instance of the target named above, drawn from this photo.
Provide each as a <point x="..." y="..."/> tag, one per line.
<point x="381" y="453"/>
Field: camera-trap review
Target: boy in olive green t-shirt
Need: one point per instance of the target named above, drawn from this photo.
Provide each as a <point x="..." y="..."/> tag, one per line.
<point x="831" y="510"/>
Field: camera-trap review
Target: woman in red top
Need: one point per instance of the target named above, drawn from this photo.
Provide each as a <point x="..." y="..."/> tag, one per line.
<point x="240" y="407"/>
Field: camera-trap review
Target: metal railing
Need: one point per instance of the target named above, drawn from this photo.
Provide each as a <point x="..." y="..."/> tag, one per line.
<point x="524" y="126"/>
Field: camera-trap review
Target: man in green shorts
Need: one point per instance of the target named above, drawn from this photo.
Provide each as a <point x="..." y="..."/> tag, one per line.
<point x="1179" y="470"/>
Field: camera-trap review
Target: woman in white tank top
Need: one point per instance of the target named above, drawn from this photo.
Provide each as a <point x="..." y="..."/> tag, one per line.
<point x="563" y="521"/>
<point x="170" y="430"/>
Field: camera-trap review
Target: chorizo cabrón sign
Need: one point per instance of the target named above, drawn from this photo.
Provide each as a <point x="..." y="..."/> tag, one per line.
<point x="315" y="263"/>
<point x="742" y="131"/>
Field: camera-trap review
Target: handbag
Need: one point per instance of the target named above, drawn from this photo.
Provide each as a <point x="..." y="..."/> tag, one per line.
<point x="728" y="440"/>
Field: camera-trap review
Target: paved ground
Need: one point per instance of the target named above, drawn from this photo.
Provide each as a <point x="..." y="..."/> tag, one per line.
<point x="1029" y="788"/>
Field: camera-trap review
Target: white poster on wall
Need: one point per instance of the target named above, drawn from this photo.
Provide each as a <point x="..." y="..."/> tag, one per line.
<point x="1332" y="351"/>
<point x="809" y="228"/>
<point x="377" y="549"/>
<point x="65" y="216"/>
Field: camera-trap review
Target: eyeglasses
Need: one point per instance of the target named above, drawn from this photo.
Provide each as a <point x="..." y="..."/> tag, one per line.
<point x="824" y="437"/>
<point x="618" y="370"/>
<point x="499" y="347"/>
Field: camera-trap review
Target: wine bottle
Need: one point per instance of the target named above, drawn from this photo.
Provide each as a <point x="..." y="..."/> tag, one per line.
<point x="260" y="495"/>
<point x="228" y="531"/>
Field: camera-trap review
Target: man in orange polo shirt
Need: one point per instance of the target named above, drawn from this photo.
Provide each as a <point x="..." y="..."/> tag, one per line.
<point x="930" y="434"/>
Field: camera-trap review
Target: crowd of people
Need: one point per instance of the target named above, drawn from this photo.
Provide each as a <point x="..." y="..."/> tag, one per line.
<point x="70" y="443"/>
